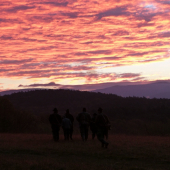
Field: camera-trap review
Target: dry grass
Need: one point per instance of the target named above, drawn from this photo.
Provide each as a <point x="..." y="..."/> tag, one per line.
<point x="39" y="152"/>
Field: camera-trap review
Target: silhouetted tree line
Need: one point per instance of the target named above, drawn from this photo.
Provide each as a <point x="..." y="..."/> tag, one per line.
<point x="13" y="120"/>
<point x="130" y="115"/>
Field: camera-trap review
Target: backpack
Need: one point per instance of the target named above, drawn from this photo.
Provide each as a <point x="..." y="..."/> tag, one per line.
<point x="83" y="118"/>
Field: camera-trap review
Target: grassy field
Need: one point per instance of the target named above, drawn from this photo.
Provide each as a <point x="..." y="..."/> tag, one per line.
<point x="39" y="152"/>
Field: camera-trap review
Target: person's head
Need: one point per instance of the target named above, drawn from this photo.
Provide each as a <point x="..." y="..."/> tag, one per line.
<point x="55" y="110"/>
<point x="84" y="109"/>
<point x="67" y="111"/>
<point x="100" y="110"/>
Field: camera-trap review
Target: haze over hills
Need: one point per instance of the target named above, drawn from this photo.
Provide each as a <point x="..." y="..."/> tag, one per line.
<point x="153" y="90"/>
<point x="8" y="92"/>
<point x="157" y="89"/>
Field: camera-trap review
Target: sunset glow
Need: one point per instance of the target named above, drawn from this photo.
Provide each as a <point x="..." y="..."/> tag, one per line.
<point x="73" y="42"/>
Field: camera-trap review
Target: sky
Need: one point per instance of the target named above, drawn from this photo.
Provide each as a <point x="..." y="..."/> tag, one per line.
<point x="66" y="43"/>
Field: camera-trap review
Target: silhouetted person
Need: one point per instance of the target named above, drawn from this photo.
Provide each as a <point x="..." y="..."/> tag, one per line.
<point x="84" y="119"/>
<point x="93" y="127"/>
<point x="107" y="128"/>
<point x="101" y="123"/>
<point x="69" y="116"/>
<point x="55" y="121"/>
<point x="66" y="124"/>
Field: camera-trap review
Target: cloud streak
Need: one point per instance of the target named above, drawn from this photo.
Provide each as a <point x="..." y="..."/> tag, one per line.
<point x="88" y="87"/>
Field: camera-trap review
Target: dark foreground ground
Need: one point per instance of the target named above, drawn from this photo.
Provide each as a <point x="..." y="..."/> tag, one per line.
<point x="39" y="152"/>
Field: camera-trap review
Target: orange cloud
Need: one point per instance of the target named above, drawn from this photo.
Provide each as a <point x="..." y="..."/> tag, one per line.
<point x="47" y="38"/>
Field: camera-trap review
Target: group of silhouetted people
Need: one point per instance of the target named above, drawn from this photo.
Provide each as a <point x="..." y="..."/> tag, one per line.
<point x="99" y="125"/>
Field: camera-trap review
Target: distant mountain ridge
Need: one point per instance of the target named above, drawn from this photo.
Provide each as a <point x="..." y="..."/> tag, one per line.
<point x="8" y="92"/>
<point x="153" y="90"/>
<point x="158" y="89"/>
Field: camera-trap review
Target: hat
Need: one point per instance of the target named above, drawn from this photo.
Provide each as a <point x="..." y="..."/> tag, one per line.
<point x="100" y="109"/>
<point x="84" y="109"/>
<point x="55" y="109"/>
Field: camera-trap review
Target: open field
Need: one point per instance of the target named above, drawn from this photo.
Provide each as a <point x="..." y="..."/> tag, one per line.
<point x="39" y="152"/>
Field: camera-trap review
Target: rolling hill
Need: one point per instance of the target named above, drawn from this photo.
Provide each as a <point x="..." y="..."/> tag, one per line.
<point x="153" y="90"/>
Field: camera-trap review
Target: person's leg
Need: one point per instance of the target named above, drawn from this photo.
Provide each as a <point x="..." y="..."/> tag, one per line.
<point x="65" y="134"/>
<point x="93" y="133"/>
<point x="57" y="133"/>
<point x="54" y="135"/>
<point x="106" y="133"/>
<point x="86" y="133"/>
<point x="71" y="133"/>
<point x="100" y="137"/>
<point x="68" y="134"/>
<point x="54" y="132"/>
<point x="82" y="130"/>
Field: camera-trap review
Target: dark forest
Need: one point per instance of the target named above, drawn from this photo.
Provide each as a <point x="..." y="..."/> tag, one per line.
<point x="29" y="111"/>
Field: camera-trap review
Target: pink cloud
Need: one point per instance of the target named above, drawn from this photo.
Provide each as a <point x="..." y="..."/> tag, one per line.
<point x="46" y="38"/>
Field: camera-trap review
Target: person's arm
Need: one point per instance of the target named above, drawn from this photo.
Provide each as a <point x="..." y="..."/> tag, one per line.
<point x="97" y="120"/>
<point x="60" y="119"/>
<point x="108" y="123"/>
<point x="78" y="117"/>
<point x="50" y="119"/>
<point x="90" y="119"/>
<point x="107" y="120"/>
<point x="70" y="123"/>
<point x="72" y="118"/>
